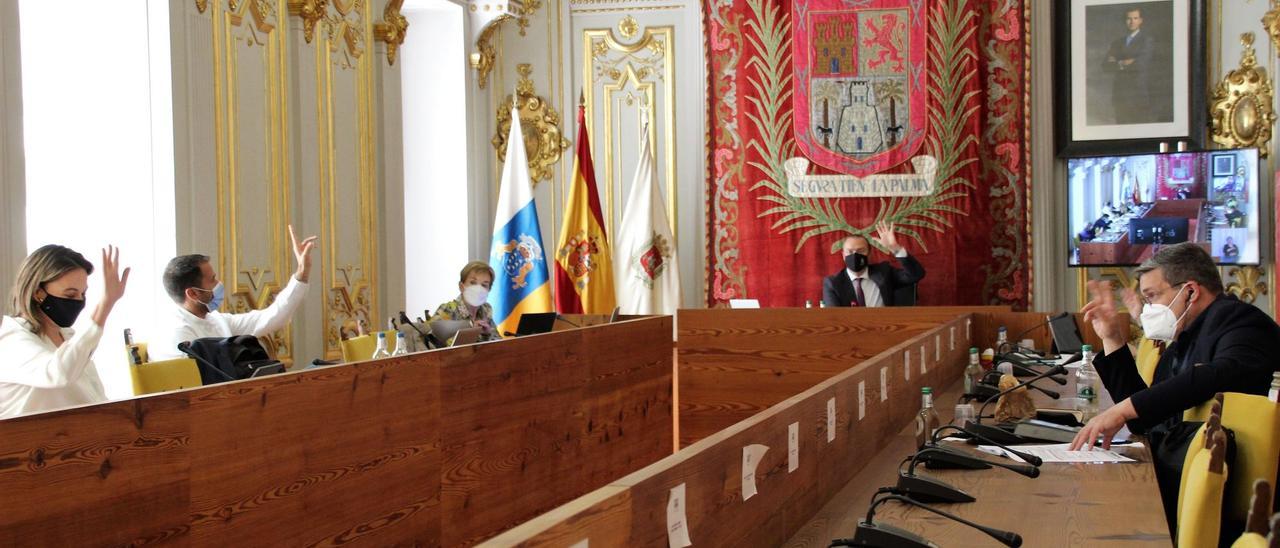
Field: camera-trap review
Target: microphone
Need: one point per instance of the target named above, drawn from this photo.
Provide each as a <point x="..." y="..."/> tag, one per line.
<point x="976" y="427"/>
<point x="870" y="533"/>
<point x="989" y="387"/>
<point x="1034" y="460"/>
<point x="1027" y="370"/>
<point x="1028" y="470"/>
<point x="561" y="318"/>
<point x="926" y="489"/>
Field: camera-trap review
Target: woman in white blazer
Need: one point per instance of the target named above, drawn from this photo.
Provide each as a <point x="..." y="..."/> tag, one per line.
<point x="44" y="364"/>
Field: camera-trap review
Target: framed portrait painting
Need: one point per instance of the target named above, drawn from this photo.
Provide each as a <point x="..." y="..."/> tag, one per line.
<point x="1130" y="74"/>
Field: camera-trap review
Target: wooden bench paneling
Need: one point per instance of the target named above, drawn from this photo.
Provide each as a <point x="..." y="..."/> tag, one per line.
<point x="632" y="510"/>
<point x="736" y="363"/>
<point x="443" y="447"/>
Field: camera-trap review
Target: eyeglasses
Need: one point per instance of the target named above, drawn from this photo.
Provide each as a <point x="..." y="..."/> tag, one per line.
<point x="1147" y="298"/>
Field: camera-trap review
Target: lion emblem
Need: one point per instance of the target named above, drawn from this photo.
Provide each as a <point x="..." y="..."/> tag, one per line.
<point x="519" y="256"/>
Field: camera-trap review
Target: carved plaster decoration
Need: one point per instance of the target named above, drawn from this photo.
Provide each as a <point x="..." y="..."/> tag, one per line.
<point x="202" y="5"/>
<point x="529" y="9"/>
<point x="1241" y="112"/>
<point x="1271" y="22"/>
<point x="486" y="55"/>
<point x="350" y="306"/>
<point x="392" y="29"/>
<point x="487" y="16"/>
<point x="628" y="27"/>
<point x="541" y="125"/>
<point x="311" y="12"/>
<point x="1248" y="284"/>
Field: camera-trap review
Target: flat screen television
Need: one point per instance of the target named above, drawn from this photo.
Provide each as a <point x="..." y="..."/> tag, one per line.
<point x="1121" y="209"/>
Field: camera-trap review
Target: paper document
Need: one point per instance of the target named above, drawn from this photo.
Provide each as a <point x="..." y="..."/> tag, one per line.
<point x="1058" y="453"/>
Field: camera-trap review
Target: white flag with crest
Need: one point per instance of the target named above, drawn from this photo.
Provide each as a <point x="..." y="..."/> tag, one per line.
<point x="646" y="271"/>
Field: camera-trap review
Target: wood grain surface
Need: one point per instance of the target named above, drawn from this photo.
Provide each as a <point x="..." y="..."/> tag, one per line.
<point x="632" y="511"/>
<point x="438" y="448"/>
<point x="736" y="363"/>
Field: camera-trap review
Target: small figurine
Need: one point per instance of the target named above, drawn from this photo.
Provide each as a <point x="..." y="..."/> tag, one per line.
<point x="1016" y="405"/>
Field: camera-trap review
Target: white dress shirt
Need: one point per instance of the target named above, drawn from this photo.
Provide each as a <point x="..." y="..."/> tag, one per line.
<point x="37" y="375"/>
<point x="870" y="292"/>
<point x="183" y="326"/>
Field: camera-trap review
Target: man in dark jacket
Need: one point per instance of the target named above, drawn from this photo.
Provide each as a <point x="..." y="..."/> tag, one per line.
<point x="861" y="283"/>
<point x="1216" y="343"/>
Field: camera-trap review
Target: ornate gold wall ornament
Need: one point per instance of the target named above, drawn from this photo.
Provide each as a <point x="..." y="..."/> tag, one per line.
<point x="529" y="8"/>
<point x="349" y="304"/>
<point x="539" y="120"/>
<point x="311" y="12"/>
<point x="1248" y="283"/>
<point x="628" y="27"/>
<point x="392" y="30"/>
<point x="1271" y="22"/>
<point x="202" y="5"/>
<point x="486" y="55"/>
<point x="1241" y="112"/>
<point x="540" y="123"/>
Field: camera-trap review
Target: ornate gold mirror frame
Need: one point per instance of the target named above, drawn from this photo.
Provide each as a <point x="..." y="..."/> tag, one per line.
<point x="539" y="121"/>
<point x="1241" y="104"/>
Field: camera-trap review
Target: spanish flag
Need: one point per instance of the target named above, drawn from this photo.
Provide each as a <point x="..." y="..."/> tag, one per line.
<point x="584" y="263"/>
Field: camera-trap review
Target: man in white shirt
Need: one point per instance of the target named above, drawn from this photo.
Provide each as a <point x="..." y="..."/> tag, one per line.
<point x="861" y="283"/>
<point x="191" y="282"/>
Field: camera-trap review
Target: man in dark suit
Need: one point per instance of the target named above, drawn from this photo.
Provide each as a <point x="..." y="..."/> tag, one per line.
<point x="861" y="283"/>
<point x="1129" y="59"/>
<point x="1216" y="344"/>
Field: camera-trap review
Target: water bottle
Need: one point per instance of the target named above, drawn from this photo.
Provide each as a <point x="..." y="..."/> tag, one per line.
<point x="1274" y="394"/>
<point x="402" y="347"/>
<point x="972" y="373"/>
<point x="1002" y="338"/>
<point x="381" y="350"/>
<point x="808" y="303"/>
<point x="927" y="419"/>
<point x="1087" y="381"/>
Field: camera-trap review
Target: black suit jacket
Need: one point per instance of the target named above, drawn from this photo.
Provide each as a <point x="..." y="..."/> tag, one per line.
<point x="1235" y="344"/>
<point x="837" y="289"/>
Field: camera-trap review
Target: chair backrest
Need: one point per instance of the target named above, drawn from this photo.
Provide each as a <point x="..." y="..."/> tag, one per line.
<point x="1255" y="421"/>
<point x="142" y="353"/>
<point x="358" y="349"/>
<point x="1147" y="358"/>
<point x="905" y="295"/>
<point x="164" y="375"/>
<point x="1260" y="530"/>
<point x="1199" y="441"/>
<point x="1200" y="502"/>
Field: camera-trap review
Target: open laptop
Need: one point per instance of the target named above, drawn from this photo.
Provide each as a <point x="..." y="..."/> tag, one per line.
<point x="533" y="323"/>
<point x="470" y="335"/>
<point x="614" y="317"/>
<point x="1066" y="334"/>
<point x="444" y="330"/>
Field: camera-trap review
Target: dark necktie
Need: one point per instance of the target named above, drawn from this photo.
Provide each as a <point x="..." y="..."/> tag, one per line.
<point x="859" y="299"/>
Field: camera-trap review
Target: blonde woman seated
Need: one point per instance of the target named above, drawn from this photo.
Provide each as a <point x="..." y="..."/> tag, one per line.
<point x="44" y="364"/>
<point x="473" y="286"/>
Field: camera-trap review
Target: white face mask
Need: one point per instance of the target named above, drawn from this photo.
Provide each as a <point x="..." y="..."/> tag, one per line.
<point x="1158" y="321"/>
<point x="475" y="295"/>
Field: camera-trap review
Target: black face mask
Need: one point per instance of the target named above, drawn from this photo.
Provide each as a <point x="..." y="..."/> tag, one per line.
<point x="62" y="311"/>
<point x="856" y="262"/>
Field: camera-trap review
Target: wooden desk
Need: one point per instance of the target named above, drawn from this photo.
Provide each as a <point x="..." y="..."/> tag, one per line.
<point x="1068" y="505"/>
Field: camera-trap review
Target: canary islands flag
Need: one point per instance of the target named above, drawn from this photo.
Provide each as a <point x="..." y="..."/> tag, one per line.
<point x="516" y="254"/>
<point x="584" y="265"/>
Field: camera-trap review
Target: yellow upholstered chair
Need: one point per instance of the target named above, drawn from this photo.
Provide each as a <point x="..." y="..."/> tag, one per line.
<point x="162" y="376"/>
<point x="1147" y="358"/>
<point x="358" y="349"/>
<point x="1213" y="422"/>
<point x="1200" y="502"/>
<point x="1255" y="421"/>
<point x="1257" y="529"/>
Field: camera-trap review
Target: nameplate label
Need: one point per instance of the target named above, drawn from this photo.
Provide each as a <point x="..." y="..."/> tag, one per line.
<point x="751" y="456"/>
<point x="793" y="447"/>
<point x="831" y="420"/>
<point x="677" y="526"/>
<point x="862" y="399"/>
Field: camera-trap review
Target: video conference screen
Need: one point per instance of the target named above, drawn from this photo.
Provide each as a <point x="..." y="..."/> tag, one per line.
<point x="1121" y="209"/>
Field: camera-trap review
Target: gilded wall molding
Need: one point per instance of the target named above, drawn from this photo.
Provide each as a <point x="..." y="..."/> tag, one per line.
<point x="311" y="12"/>
<point x="1248" y="282"/>
<point x="250" y="135"/>
<point x="1270" y="22"/>
<point x="640" y="77"/>
<point x="1241" y="110"/>
<point x="543" y="138"/>
<point x="486" y="54"/>
<point x="391" y="31"/>
<point x="202" y="5"/>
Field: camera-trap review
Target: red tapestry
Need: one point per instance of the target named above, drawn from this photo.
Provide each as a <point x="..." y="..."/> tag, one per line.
<point x="971" y="234"/>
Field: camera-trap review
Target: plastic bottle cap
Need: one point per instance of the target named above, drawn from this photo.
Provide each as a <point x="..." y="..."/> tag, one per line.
<point x="1086" y="348"/>
<point x="973" y="350"/>
<point x="382" y="335"/>
<point x="926" y="390"/>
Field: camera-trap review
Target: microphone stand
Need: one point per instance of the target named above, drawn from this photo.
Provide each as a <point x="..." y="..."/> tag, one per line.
<point x="870" y="533"/>
<point x="998" y="434"/>
<point x="1031" y="459"/>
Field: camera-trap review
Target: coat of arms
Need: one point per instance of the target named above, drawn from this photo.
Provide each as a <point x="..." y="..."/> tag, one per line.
<point x="860" y="82"/>
<point x="519" y="259"/>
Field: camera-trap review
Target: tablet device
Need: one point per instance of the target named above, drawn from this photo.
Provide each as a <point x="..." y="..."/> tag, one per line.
<point x="1066" y="336"/>
<point x="444" y="330"/>
<point x="533" y="323"/>
<point x="267" y="369"/>
<point x="470" y="335"/>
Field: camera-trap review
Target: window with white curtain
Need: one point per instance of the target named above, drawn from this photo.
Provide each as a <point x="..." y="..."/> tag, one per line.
<point x="97" y="125"/>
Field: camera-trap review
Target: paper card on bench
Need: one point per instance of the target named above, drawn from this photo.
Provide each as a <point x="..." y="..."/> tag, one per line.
<point x="862" y="399"/>
<point x="906" y="364"/>
<point x="751" y="456"/>
<point x="1058" y="453"/>
<point x="937" y="348"/>
<point x="793" y="447"/>
<point x="884" y="384"/>
<point x="923" y="370"/>
<point x="831" y="420"/>
<point x="584" y="543"/>
<point x="967" y="333"/>
<point x="677" y="526"/>
<point x="953" y="338"/>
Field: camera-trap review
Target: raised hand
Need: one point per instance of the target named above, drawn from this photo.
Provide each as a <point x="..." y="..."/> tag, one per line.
<point x="886" y="238"/>
<point x="1101" y="314"/>
<point x="113" y="284"/>
<point x="302" y="253"/>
